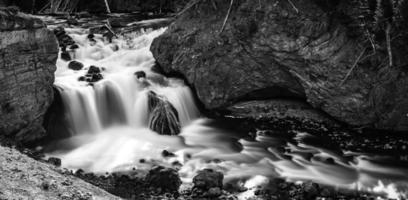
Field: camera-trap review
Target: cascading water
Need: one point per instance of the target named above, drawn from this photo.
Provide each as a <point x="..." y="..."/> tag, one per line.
<point x="109" y="119"/>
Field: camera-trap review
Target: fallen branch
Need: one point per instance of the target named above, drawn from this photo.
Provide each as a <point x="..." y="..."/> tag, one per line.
<point x="293" y="6"/>
<point x="226" y="17"/>
<point x="107" y="6"/>
<point x="352" y="68"/>
<point x="188" y="7"/>
<point x="214" y="5"/>
<point x="109" y="27"/>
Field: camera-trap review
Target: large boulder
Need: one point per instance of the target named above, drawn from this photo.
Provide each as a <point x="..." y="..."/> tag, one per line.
<point x="28" y="53"/>
<point x="275" y="49"/>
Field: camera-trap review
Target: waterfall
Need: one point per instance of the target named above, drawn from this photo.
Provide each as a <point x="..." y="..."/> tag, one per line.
<point x="120" y="98"/>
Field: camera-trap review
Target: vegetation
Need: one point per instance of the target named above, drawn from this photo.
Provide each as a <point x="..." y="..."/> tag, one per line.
<point x="379" y="21"/>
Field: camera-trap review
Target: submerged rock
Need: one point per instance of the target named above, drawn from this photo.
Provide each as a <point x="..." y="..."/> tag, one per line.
<point x="164" y="179"/>
<point x="269" y="50"/>
<point x="163" y="117"/>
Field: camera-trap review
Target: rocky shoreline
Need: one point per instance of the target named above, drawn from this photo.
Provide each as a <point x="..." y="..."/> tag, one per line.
<point x="155" y="183"/>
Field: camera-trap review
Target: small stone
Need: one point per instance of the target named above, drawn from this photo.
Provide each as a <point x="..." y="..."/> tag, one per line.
<point x="67" y="182"/>
<point x="311" y="190"/>
<point x="166" y="153"/>
<point x="94" y="70"/>
<point x="214" y="192"/>
<point x="75" y="65"/>
<point x="96" y="77"/>
<point x="91" y="36"/>
<point x="82" y="78"/>
<point x="208" y="178"/>
<point x="140" y="74"/>
<point x="45" y="185"/>
<point x="54" y="161"/>
<point x="65" y="56"/>
<point x="74" y="46"/>
<point x="165" y="178"/>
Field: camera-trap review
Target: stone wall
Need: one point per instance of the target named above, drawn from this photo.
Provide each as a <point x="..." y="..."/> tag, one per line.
<point x="28" y="52"/>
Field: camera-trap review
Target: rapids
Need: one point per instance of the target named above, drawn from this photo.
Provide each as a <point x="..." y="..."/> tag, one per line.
<point x="110" y="129"/>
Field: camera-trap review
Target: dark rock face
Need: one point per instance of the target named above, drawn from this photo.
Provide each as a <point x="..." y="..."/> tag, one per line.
<point x="164" y="179"/>
<point x="28" y="54"/>
<point x="163" y="117"/>
<point x="270" y="50"/>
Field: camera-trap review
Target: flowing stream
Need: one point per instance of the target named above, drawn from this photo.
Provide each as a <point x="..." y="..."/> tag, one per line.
<point x="109" y="125"/>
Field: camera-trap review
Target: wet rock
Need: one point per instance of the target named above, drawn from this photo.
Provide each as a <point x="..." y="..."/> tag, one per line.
<point x="214" y="192"/>
<point x="166" y="153"/>
<point x="95" y="78"/>
<point x="82" y="78"/>
<point x="63" y="38"/>
<point x="311" y="190"/>
<point x="165" y="179"/>
<point x="65" y="56"/>
<point x="75" y="65"/>
<point x="54" y="161"/>
<point x="74" y="46"/>
<point x="72" y="21"/>
<point x="163" y="117"/>
<point x="208" y="178"/>
<point x="93" y="75"/>
<point x="94" y="70"/>
<point x="91" y="36"/>
<point x="208" y="183"/>
<point x="140" y="74"/>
